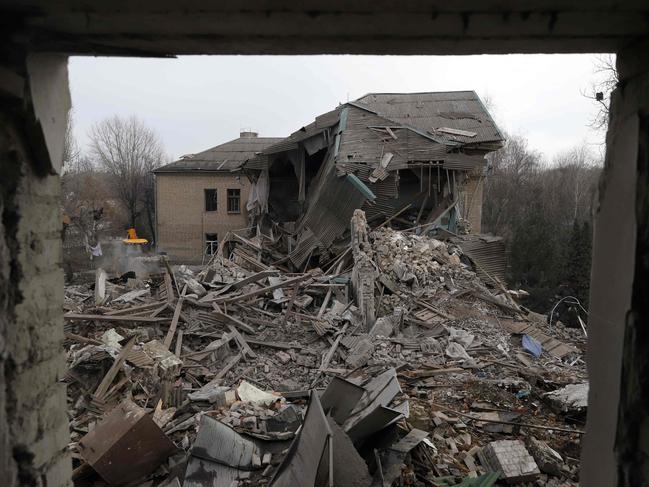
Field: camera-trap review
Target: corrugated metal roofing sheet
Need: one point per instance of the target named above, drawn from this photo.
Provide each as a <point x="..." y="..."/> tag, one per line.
<point x="488" y="253"/>
<point x="428" y="111"/>
<point x="331" y="207"/>
<point x="308" y="241"/>
<point x="224" y="157"/>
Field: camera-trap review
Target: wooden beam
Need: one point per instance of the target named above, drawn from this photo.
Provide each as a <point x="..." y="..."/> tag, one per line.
<point x="126" y="319"/>
<point x="265" y="290"/>
<point x="226" y="318"/>
<point x="114" y="369"/>
<point x="134" y="309"/>
<point x="174" y="323"/>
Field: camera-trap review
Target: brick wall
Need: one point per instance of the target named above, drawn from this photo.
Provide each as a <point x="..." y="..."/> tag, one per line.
<point x="182" y="221"/>
<point x="473" y="196"/>
<point x="33" y="421"/>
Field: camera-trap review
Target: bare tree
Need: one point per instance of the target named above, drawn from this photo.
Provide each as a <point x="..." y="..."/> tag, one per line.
<point x="600" y="90"/>
<point x="128" y="151"/>
<point x="511" y="169"/>
<point x="71" y="149"/>
<point x="536" y="206"/>
<point x="574" y="177"/>
<point x="82" y="195"/>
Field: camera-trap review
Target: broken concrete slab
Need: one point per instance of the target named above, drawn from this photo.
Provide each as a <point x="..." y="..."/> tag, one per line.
<point x="548" y="460"/>
<point x="511" y="459"/>
<point x="571" y="398"/>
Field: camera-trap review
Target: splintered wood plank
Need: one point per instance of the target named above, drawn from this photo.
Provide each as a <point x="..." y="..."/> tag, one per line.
<point x="254" y="278"/>
<point x="265" y="290"/>
<point x="132" y="319"/>
<point x="226" y="318"/>
<point x="114" y="369"/>
<point x="174" y="323"/>
<point x="245" y="348"/>
<point x="179" y="343"/>
<point x="135" y="309"/>
<point x="550" y="344"/>
<point x="169" y="288"/>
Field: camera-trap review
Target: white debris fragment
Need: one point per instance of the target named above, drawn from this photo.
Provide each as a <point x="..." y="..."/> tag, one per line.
<point x="112" y="338"/>
<point x="251" y="394"/>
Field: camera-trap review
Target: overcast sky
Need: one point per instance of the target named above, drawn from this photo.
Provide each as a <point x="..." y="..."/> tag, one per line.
<point x="196" y="102"/>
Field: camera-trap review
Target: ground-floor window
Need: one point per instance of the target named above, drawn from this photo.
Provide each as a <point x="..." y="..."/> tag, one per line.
<point x="211" y="243"/>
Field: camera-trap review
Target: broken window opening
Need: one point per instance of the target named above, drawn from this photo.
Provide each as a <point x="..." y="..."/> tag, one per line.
<point x="211" y="203"/>
<point x="211" y="243"/>
<point x="283" y="204"/>
<point x="234" y="201"/>
<point x="313" y="165"/>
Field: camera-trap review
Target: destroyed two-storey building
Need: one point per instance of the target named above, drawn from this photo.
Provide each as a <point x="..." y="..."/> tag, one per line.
<point x="415" y="159"/>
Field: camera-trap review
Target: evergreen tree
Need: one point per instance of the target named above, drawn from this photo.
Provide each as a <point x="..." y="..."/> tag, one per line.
<point x="577" y="262"/>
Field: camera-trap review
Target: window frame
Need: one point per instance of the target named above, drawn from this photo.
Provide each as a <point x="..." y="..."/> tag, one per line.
<point x="213" y="244"/>
<point x="215" y="200"/>
<point x="236" y="198"/>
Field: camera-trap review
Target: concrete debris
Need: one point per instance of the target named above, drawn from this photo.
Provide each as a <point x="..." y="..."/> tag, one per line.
<point x="571" y="398"/>
<point x="456" y="351"/>
<point x="111" y="338"/>
<point x="251" y="394"/>
<point x="511" y="459"/>
<point x="391" y="363"/>
<point x="548" y="460"/>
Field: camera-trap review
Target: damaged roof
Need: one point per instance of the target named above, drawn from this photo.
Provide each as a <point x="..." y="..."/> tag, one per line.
<point x="452" y="118"/>
<point x="224" y="158"/>
<point x="432" y="111"/>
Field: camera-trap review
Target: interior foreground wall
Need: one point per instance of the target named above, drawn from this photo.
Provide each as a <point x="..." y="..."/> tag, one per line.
<point x="616" y="441"/>
<point x="33" y="408"/>
<point x="632" y="437"/>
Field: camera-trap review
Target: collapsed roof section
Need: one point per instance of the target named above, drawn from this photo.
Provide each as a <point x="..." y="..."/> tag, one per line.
<point x="385" y="153"/>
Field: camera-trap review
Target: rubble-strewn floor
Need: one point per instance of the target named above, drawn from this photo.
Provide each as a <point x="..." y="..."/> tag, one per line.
<point x="444" y="366"/>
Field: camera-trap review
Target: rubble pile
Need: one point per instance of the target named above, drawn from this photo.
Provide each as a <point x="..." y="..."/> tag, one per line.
<point x="396" y="365"/>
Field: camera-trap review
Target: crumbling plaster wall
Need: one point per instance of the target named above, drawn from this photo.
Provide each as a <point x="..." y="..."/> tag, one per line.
<point x="34" y="424"/>
<point x="34" y="430"/>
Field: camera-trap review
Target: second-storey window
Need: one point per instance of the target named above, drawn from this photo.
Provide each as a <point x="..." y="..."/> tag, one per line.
<point x="210" y="200"/>
<point x="234" y="201"/>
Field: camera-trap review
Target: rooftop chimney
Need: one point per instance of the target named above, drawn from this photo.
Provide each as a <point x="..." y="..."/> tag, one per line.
<point x="246" y="134"/>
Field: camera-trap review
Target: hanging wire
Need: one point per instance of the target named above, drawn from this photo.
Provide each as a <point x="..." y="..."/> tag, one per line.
<point x="570" y="300"/>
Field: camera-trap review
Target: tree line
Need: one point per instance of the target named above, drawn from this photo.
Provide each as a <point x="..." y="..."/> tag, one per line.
<point x="110" y="184"/>
<point x="544" y="210"/>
